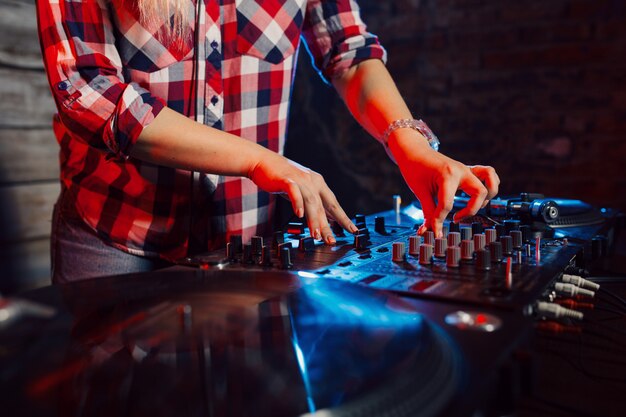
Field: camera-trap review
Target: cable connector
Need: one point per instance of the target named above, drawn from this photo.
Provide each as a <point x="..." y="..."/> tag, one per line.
<point x="555" y="311"/>
<point x="580" y="282"/>
<point x="573" y="304"/>
<point x="569" y="290"/>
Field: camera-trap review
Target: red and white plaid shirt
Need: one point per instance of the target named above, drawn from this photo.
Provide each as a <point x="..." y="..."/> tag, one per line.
<point x="110" y="76"/>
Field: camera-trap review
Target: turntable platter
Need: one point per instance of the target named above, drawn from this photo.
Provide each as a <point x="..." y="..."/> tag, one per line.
<point x="218" y="343"/>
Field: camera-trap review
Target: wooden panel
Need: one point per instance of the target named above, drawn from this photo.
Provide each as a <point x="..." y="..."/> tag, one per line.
<point x="24" y="265"/>
<point x="26" y="99"/>
<point x="28" y="155"/>
<point x="19" y="42"/>
<point x="26" y="211"/>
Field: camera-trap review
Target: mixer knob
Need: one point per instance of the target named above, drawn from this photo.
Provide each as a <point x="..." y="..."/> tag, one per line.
<point x="483" y="260"/>
<point x="467" y="250"/>
<point x="480" y="240"/>
<point x="337" y="229"/>
<point x="414" y="245"/>
<point x="361" y="241"/>
<point x="454" y="239"/>
<point x="466" y="233"/>
<point x="441" y="244"/>
<point x="516" y="237"/>
<point x="398" y="252"/>
<point x="379" y="225"/>
<point x="257" y="245"/>
<point x="429" y="238"/>
<point x="454" y="227"/>
<point x="277" y="239"/>
<point x="307" y="244"/>
<point x="510" y="225"/>
<point x="490" y="235"/>
<point x="266" y="256"/>
<point x="295" y="228"/>
<point x="507" y="245"/>
<point x="284" y="257"/>
<point x="237" y="244"/>
<point x="426" y="254"/>
<point x="247" y="254"/>
<point x="500" y="230"/>
<point x="477" y="228"/>
<point x="495" y="249"/>
<point x="527" y="233"/>
<point x="453" y="256"/>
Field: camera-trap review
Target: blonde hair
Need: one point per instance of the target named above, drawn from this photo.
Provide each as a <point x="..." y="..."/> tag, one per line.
<point x="153" y="13"/>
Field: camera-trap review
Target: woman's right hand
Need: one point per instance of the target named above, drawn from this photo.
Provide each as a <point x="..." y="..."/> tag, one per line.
<point x="307" y="191"/>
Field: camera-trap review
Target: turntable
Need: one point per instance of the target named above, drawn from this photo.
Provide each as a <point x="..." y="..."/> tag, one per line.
<point x="233" y="343"/>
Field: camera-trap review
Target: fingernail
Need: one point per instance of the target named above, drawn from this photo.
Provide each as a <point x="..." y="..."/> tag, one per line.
<point x="353" y="228"/>
<point x="330" y="240"/>
<point x="318" y="236"/>
<point x="300" y="212"/>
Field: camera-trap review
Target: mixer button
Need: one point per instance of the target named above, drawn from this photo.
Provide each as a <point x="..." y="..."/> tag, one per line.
<point x="507" y="245"/>
<point x="361" y="241"/>
<point x="257" y="245"/>
<point x="495" y="250"/>
<point x="379" y="225"/>
<point x="466" y="233"/>
<point x="483" y="260"/>
<point x="516" y="237"/>
<point x="467" y="250"/>
<point x="480" y="240"/>
<point x="295" y="228"/>
<point x="307" y="244"/>
<point x="429" y="238"/>
<point x="490" y="235"/>
<point x="414" y="245"/>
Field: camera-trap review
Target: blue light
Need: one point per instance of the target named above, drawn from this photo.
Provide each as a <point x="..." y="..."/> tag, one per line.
<point x="305" y="274"/>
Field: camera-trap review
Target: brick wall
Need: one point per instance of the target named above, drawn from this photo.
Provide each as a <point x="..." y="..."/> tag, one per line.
<point x="535" y="88"/>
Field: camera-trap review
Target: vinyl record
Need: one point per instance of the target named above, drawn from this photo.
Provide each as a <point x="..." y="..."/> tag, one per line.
<point x="217" y="343"/>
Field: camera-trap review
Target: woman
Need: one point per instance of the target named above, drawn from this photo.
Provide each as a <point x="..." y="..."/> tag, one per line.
<point x="172" y="117"/>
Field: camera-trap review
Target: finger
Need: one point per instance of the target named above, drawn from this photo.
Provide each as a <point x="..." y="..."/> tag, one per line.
<point x="336" y="212"/>
<point x="295" y="196"/>
<point x="428" y="208"/>
<point x="445" y="203"/>
<point x="489" y="177"/>
<point x="477" y="192"/>
<point x="313" y="207"/>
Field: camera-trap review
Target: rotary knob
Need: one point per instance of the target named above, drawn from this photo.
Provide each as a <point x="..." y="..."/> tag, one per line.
<point x="454" y="239"/>
<point x="441" y="244"/>
<point x="398" y="252"/>
<point x="414" y="245"/>
<point x="453" y="256"/>
<point x="284" y="257"/>
<point x="426" y="254"/>
<point x="467" y="250"/>
<point x="466" y="233"/>
<point x="483" y="260"/>
<point x="495" y="250"/>
<point x="507" y="245"/>
<point x="429" y="238"/>
<point x="257" y="245"/>
<point x="490" y="235"/>
<point x="516" y="238"/>
<point x="477" y="228"/>
<point x="480" y="241"/>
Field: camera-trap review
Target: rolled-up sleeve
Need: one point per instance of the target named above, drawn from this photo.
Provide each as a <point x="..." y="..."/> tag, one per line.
<point x="337" y="38"/>
<point x="86" y="79"/>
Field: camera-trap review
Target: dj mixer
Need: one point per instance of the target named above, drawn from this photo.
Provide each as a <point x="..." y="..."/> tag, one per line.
<point x="507" y="256"/>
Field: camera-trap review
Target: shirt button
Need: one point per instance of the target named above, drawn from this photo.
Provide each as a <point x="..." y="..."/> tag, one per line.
<point x="214" y="100"/>
<point x="214" y="44"/>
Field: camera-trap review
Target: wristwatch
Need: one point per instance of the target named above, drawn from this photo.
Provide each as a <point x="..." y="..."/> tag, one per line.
<point x="414" y="124"/>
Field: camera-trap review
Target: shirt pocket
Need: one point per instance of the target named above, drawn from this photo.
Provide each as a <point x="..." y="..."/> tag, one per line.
<point x="269" y="29"/>
<point x="150" y="49"/>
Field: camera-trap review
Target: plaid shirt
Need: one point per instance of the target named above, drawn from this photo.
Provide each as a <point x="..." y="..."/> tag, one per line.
<point x="110" y="76"/>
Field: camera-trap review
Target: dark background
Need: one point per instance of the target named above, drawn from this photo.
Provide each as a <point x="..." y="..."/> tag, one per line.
<point x="537" y="89"/>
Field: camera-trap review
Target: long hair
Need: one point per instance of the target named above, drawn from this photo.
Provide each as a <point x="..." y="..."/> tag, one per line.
<point x="153" y="13"/>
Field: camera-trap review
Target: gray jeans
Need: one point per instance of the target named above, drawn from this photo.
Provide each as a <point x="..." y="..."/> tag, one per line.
<point x="78" y="253"/>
